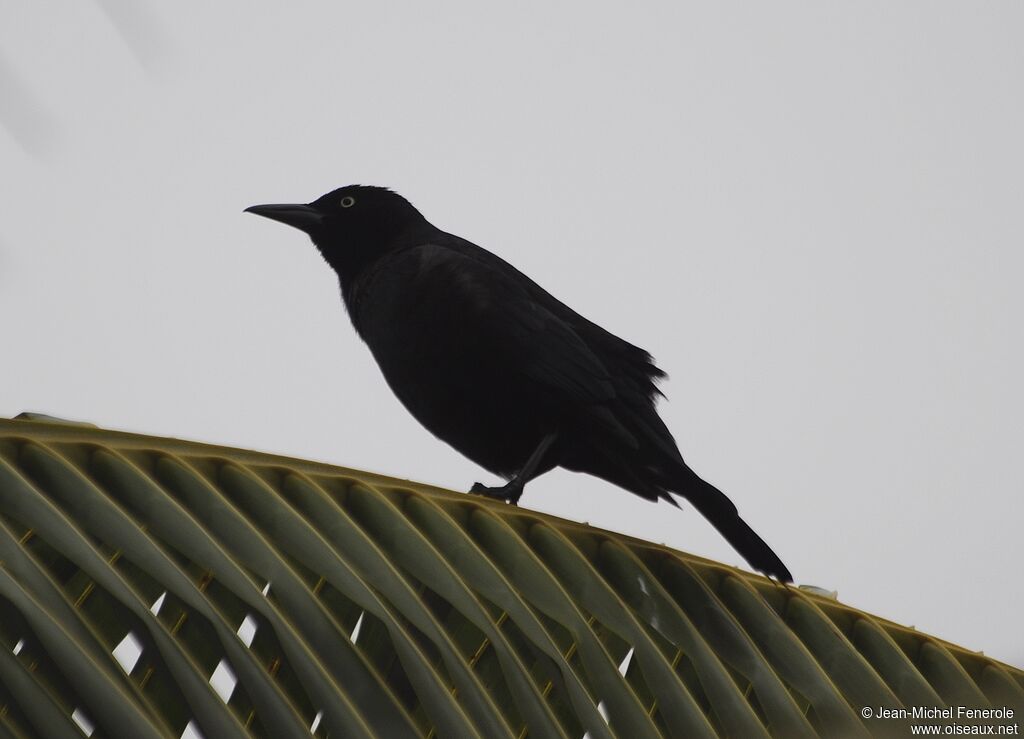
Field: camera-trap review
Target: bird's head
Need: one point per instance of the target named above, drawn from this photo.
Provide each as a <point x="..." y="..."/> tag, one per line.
<point x="351" y="226"/>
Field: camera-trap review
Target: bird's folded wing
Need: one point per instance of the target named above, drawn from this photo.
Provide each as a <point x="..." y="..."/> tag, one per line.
<point x="529" y="339"/>
<point x="631" y="367"/>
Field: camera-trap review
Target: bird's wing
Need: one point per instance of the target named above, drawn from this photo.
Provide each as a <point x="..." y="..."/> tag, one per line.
<point x="629" y="365"/>
<point x="528" y="338"/>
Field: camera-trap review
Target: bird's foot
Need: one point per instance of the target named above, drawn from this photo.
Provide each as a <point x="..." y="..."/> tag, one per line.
<point x="509" y="492"/>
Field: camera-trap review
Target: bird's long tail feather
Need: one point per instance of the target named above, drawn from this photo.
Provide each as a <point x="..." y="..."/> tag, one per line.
<point x="716" y="507"/>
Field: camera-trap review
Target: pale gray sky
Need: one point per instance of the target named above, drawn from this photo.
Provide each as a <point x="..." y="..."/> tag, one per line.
<point x="812" y="216"/>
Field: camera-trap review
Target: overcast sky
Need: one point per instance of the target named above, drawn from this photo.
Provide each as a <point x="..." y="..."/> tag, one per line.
<point x="812" y="217"/>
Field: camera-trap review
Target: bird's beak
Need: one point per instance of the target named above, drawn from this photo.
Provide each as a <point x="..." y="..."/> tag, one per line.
<point x="303" y="217"/>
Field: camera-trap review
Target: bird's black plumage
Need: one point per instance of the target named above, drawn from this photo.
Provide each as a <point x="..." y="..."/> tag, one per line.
<point x="498" y="368"/>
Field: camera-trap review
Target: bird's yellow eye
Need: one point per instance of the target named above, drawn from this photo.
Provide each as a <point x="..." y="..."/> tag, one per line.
<point x="348" y="201"/>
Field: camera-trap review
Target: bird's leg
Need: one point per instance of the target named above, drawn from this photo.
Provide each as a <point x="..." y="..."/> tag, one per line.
<point x="513" y="489"/>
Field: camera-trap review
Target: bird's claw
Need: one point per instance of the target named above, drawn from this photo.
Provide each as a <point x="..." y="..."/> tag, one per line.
<point x="509" y="493"/>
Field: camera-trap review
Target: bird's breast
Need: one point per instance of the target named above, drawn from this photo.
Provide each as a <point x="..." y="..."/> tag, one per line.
<point x="449" y="376"/>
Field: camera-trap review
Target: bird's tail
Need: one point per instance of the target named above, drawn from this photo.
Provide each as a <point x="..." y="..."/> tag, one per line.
<point x="716" y="507"/>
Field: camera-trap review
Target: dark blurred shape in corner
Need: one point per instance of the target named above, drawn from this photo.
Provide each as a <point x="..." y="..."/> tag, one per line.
<point x="22" y="115"/>
<point x="139" y="27"/>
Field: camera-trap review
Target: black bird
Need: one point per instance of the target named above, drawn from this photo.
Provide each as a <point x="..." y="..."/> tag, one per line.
<point x="497" y="367"/>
